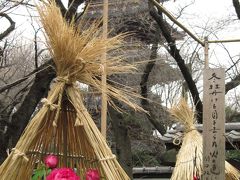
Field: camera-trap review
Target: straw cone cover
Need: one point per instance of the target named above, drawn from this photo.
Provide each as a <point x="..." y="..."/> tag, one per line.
<point x="189" y="161"/>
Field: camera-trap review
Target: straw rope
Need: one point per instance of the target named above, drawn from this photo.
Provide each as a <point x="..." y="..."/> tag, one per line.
<point x="17" y="154"/>
<point x="49" y="104"/>
<point x="178" y="140"/>
<point x="65" y="79"/>
<point x="107" y="158"/>
<point x="59" y="100"/>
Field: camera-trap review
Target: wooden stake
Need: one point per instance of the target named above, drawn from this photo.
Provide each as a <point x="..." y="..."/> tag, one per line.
<point x="65" y="132"/>
<point x="104" y="76"/>
<point x="206" y="47"/>
<point x="213" y="124"/>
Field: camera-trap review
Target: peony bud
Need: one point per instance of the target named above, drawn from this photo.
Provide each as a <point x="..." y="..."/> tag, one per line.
<point x="92" y="174"/>
<point x="51" y="161"/>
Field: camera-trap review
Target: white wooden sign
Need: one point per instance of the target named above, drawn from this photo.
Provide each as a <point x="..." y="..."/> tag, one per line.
<point x="214" y="124"/>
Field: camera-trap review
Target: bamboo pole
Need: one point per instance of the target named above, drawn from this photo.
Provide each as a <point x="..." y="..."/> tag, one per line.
<point x="173" y="19"/>
<point x="224" y="41"/>
<point x="206" y="47"/>
<point x="104" y="76"/>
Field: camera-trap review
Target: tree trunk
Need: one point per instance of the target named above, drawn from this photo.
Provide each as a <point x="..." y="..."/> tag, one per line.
<point x="37" y="91"/>
<point x="236" y="5"/>
<point x="174" y="51"/>
<point x="123" y="143"/>
<point x="22" y="116"/>
<point x="144" y="90"/>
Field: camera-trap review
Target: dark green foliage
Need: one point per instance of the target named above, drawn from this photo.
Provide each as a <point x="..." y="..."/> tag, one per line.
<point x="144" y="158"/>
<point x="233" y="154"/>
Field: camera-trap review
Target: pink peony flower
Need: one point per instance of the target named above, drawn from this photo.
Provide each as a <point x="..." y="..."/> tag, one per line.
<point x="92" y="174"/>
<point x="51" y="161"/>
<point x="62" y="174"/>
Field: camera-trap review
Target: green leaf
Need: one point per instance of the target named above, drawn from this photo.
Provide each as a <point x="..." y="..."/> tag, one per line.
<point x="42" y="172"/>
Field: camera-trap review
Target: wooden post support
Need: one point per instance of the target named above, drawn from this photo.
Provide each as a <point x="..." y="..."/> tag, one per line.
<point x="104" y="76"/>
<point x="206" y="47"/>
<point x="214" y="124"/>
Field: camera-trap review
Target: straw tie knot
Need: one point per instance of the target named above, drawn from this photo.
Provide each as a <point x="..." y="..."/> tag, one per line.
<point x="101" y="68"/>
<point x="64" y="79"/>
<point x="108" y="158"/>
<point x="178" y="139"/>
<point x="48" y="103"/>
<point x="17" y="153"/>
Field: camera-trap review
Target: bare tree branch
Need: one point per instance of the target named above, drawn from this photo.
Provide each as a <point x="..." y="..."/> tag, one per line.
<point x="235" y="81"/>
<point x="174" y="51"/>
<point x="236" y="5"/>
<point x="232" y="84"/>
<point x="144" y="89"/>
<point x="11" y="85"/>
<point x="72" y="8"/>
<point x="233" y="65"/>
<point x="9" y="29"/>
<point x="21" y="117"/>
<point x="61" y="6"/>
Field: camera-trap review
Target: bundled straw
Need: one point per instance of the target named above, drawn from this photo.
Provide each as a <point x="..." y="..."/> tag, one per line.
<point x="190" y="156"/>
<point x="63" y="126"/>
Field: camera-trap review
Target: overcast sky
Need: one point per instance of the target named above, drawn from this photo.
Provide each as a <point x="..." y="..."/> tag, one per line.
<point x="210" y="13"/>
<point x="198" y="14"/>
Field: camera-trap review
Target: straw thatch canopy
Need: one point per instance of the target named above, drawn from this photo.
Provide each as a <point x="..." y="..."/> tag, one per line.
<point x="63" y="125"/>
